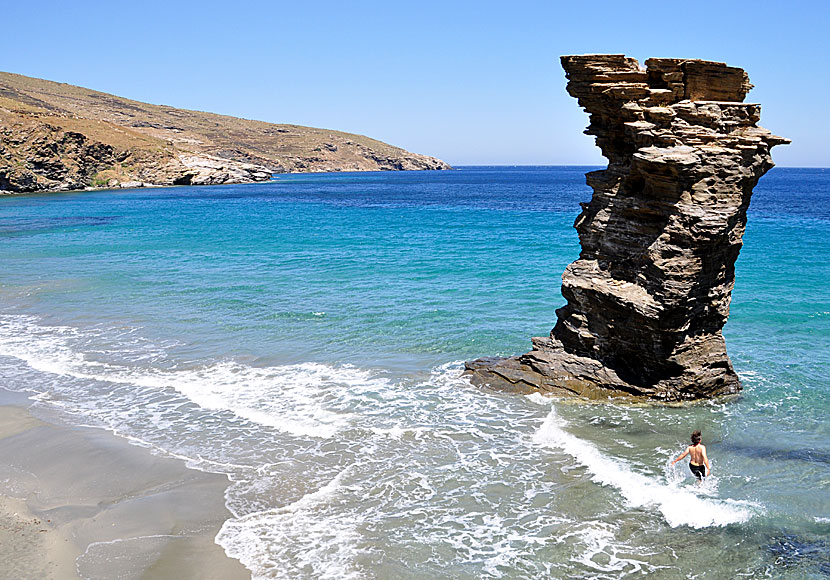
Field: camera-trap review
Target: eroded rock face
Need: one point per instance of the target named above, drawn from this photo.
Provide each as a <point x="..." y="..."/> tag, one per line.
<point x="42" y="157"/>
<point x="39" y="156"/>
<point x="650" y="292"/>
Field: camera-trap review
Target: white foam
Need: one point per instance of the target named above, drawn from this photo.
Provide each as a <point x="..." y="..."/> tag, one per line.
<point x="305" y="539"/>
<point x="305" y="400"/>
<point x="601" y="552"/>
<point x="679" y="506"/>
<point x="433" y="445"/>
<point x="399" y="432"/>
<point x="449" y="375"/>
<point x="539" y="399"/>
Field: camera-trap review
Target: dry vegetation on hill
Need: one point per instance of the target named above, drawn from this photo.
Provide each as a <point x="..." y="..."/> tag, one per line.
<point x="55" y="136"/>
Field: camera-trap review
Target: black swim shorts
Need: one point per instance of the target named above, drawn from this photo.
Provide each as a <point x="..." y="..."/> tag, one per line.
<point x="699" y="471"/>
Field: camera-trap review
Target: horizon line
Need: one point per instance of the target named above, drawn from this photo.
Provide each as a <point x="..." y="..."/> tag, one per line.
<point x="592" y="165"/>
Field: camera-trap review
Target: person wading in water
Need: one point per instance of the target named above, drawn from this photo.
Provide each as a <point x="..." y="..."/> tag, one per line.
<point x="698" y="458"/>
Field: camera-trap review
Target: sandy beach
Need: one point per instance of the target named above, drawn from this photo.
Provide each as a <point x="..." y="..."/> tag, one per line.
<point x="83" y="503"/>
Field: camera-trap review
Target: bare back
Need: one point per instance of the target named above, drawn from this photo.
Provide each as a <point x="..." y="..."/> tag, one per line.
<point x="697" y="453"/>
<point x="698" y="457"/>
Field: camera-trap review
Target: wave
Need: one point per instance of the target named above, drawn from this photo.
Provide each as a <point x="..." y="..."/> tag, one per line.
<point x="267" y="542"/>
<point x="679" y="506"/>
<point x="415" y="445"/>
<point x="304" y="400"/>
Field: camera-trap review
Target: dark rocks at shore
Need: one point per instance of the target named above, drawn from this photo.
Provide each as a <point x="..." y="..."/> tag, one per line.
<point x="650" y="292"/>
<point x="54" y="158"/>
<point x="43" y="157"/>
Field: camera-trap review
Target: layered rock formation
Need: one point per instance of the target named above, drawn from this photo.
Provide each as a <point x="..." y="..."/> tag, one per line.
<point x="56" y="137"/>
<point x="650" y="292"/>
<point x="41" y="156"/>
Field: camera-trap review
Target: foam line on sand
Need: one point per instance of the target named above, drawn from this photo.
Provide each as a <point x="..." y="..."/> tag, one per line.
<point x="82" y="502"/>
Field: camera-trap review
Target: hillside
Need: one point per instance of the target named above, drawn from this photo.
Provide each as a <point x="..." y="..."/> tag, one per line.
<point x="56" y="137"/>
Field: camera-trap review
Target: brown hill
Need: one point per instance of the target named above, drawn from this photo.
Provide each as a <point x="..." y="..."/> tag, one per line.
<point x="55" y="136"/>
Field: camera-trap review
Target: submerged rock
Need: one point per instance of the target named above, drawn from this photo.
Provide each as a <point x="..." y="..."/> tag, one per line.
<point x="650" y="292"/>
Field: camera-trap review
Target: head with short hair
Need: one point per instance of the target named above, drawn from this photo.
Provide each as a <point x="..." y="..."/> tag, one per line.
<point x="695" y="437"/>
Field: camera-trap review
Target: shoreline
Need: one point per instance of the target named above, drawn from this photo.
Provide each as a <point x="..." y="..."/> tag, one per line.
<point x="148" y="185"/>
<point x="81" y="502"/>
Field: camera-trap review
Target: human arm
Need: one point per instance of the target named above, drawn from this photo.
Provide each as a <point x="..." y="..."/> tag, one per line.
<point x="681" y="456"/>
<point x="706" y="462"/>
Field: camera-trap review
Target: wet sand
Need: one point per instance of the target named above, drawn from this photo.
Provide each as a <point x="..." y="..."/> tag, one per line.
<point x="81" y="502"/>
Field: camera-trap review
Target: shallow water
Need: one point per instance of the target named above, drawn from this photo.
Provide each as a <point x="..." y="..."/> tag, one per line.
<point x="305" y="336"/>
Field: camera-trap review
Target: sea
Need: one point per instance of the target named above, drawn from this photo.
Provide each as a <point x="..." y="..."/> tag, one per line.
<point x="306" y="337"/>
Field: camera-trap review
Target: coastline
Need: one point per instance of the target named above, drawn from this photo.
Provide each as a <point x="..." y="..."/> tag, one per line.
<point x="78" y="502"/>
<point x="307" y="344"/>
<point x="147" y="185"/>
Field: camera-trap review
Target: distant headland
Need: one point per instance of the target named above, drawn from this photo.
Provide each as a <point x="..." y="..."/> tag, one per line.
<point x="60" y="137"/>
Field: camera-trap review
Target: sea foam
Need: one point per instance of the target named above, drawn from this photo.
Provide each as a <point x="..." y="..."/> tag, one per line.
<point x="266" y="542"/>
<point x="679" y="506"/>
<point x="304" y="400"/>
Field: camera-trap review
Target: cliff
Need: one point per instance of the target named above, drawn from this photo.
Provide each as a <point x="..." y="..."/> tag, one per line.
<point x="55" y="136"/>
<point x="650" y="292"/>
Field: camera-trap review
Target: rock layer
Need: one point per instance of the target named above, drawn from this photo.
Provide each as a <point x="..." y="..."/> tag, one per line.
<point x="41" y="156"/>
<point x="650" y="292"/>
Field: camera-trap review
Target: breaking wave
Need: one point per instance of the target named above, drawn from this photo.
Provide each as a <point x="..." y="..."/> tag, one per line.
<point x="679" y="506"/>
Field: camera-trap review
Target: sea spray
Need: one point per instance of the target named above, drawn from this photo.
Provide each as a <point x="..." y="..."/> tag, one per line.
<point x="290" y="398"/>
<point x="678" y="505"/>
<point x="306" y="538"/>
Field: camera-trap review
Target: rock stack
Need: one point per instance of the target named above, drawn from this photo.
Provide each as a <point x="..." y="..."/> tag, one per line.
<point x="650" y="292"/>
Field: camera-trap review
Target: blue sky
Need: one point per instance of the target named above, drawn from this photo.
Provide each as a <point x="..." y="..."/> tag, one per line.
<point x="470" y="82"/>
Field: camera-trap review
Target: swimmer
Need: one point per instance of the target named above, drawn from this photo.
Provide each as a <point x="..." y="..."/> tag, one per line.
<point x="697" y="459"/>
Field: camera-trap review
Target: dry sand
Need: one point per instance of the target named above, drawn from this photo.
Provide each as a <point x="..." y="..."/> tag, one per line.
<point x="82" y="502"/>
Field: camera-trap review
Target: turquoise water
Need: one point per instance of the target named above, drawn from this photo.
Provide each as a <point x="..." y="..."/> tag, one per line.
<point x="306" y="336"/>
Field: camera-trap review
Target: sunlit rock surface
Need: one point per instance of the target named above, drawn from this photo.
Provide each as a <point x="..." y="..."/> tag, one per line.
<point x="650" y="292"/>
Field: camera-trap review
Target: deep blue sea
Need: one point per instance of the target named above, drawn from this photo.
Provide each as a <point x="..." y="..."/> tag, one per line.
<point x="306" y="337"/>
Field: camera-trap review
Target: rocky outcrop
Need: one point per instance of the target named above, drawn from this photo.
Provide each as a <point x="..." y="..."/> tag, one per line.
<point x="650" y="292"/>
<point x="201" y="169"/>
<point x="40" y="156"/>
<point x="43" y="157"/>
